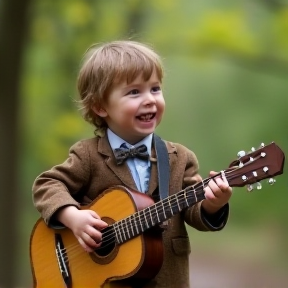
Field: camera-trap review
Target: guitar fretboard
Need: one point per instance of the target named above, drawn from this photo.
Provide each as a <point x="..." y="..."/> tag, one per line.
<point x="143" y="220"/>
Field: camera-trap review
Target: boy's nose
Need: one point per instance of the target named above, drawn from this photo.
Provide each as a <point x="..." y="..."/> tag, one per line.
<point x="149" y="98"/>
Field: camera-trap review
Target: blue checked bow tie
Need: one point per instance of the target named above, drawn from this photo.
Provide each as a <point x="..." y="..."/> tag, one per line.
<point x="122" y="153"/>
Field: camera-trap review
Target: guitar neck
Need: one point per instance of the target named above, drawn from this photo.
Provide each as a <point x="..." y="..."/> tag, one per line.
<point x="161" y="211"/>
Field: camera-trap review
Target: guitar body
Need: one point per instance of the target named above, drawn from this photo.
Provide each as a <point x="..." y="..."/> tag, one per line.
<point x="138" y="259"/>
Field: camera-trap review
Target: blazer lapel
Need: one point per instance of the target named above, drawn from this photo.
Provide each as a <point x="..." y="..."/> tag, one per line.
<point x="121" y="171"/>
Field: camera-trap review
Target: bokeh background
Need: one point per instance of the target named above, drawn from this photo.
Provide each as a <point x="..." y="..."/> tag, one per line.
<point x="226" y="90"/>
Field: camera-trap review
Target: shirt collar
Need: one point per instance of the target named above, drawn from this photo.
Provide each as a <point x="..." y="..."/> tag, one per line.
<point x="115" y="141"/>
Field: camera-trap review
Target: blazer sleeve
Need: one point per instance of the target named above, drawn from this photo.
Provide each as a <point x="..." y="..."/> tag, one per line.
<point x="195" y="216"/>
<point x="59" y="186"/>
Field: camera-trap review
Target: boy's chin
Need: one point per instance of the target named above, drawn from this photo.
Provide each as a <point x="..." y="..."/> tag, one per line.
<point x="146" y="133"/>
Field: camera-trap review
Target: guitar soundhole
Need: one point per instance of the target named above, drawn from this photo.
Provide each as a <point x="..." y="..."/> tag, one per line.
<point x="108" y="250"/>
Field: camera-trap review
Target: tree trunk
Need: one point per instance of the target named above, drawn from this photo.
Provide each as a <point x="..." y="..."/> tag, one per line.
<point x="13" y="25"/>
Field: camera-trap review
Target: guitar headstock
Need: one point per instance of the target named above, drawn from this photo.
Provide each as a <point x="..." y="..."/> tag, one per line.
<point x="265" y="162"/>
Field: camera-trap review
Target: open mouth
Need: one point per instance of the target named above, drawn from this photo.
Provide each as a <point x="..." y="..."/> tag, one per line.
<point x="146" y="117"/>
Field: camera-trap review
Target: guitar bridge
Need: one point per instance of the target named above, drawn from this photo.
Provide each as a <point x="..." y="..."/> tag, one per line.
<point x="62" y="260"/>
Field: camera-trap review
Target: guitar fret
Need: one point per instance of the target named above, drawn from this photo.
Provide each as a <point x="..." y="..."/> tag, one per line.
<point x="116" y="232"/>
<point x="113" y="226"/>
<point x="202" y="187"/>
<point x="162" y="204"/>
<point x="145" y="218"/>
<point x="127" y="228"/>
<point x="157" y="214"/>
<point x="195" y="194"/>
<point x="121" y="231"/>
<point x="177" y="201"/>
<point x="135" y="221"/>
<point x="151" y="217"/>
<point x="185" y="197"/>
<point x="132" y="226"/>
<point x="142" y="230"/>
<point x="171" y="208"/>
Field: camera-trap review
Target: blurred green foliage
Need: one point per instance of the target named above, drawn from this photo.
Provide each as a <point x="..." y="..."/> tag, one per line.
<point x="225" y="86"/>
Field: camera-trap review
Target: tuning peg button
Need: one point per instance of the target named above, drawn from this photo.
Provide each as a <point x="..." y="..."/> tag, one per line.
<point x="241" y="154"/>
<point x="249" y="187"/>
<point x="271" y="181"/>
<point x="244" y="178"/>
<point x="265" y="169"/>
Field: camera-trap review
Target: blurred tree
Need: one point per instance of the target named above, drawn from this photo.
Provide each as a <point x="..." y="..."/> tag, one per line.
<point x="275" y="4"/>
<point x="136" y="17"/>
<point x="13" y="24"/>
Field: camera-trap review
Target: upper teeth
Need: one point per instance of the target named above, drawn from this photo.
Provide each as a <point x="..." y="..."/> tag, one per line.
<point x="146" y="117"/>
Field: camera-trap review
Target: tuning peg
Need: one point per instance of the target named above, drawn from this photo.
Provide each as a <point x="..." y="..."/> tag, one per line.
<point x="249" y="187"/>
<point x="241" y="154"/>
<point x="253" y="149"/>
<point x="265" y="169"/>
<point x="244" y="178"/>
<point x="262" y="145"/>
<point x="271" y="181"/>
<point x="258" y="185"/>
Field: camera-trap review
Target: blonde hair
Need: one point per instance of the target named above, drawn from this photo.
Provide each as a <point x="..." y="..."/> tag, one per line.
<point x="109" y="64"/>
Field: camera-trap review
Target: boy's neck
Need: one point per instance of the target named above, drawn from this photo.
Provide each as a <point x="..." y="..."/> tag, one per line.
<point x="126" y="140"/>
<point x="116" y="141"/>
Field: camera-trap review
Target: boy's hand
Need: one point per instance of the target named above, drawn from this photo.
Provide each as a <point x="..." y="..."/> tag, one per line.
<point x="86" y="225"/>
<point x="217" y="193"/>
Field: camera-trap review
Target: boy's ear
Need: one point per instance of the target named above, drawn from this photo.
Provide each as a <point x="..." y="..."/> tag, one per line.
<point x="100" y="111"/>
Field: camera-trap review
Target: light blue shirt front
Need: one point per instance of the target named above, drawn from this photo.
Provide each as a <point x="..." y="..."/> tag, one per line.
<point x="140" y="168"/>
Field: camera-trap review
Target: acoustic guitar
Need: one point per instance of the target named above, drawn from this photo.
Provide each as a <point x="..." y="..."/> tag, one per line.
<point x="131" y="248"/>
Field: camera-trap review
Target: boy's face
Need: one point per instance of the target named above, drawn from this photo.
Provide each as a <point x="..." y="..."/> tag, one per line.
<point x="134" y="111"/>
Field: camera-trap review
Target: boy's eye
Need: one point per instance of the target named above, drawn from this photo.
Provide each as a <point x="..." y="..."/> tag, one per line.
<point x="156" y="89"/>
<point x="133" y="92"/>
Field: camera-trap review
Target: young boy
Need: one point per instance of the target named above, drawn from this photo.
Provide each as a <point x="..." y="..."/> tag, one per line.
<point x="120" y="89"/>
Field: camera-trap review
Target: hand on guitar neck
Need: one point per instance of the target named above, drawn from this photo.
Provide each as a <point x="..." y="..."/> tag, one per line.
<point x="217" y="193"/>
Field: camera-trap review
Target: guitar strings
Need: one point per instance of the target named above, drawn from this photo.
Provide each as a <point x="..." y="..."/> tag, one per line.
<point x="147" y="218"/>
<point x="136" y="219"/>
<point x="108" y="237"/>
<point x="140" y="218"/>
<point x="186" y="195"/>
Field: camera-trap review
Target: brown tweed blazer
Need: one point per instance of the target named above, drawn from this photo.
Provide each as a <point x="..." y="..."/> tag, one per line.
<point x="91" y="168"/>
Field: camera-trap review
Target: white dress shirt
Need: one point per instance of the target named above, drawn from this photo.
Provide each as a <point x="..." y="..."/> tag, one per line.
<point x="140" y="168"/>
